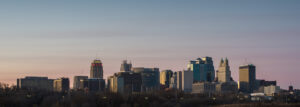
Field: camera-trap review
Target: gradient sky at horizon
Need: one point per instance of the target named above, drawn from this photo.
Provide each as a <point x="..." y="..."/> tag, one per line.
<point x="61" y="37"/>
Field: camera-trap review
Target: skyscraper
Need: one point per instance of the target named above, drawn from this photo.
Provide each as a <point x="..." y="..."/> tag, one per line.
<point x="203" y="69"/>
<point x="225" y="83"/>
<point x="125" y="82"/>
<point x="96" y="69"/>
<point x="93" y="84"/>
<point x="150" y="78"/>
<point x="61" y="84"/>
<point x="165" y="77"/>
<point x="185" y="81"/>
<point x="173" y="81"/>
<point x="247" y="78"/>
<point x="125" y="66"/>
<point x="76" y="82"/>
<point x="224" y="73"/>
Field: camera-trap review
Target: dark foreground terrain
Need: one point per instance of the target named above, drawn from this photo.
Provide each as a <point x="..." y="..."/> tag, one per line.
<point x="12" y="97"/>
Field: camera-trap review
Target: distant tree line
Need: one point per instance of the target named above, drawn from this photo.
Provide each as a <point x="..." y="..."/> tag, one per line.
<point x="10" y="96"/>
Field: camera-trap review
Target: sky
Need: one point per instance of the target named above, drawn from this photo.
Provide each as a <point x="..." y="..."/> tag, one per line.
<point x="60" y="38"/>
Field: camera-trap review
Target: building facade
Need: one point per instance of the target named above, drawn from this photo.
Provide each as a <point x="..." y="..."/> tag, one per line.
<point x="150" y="78"/>
<point x="185" y="81"/>
<point x="76" y="82"/>
<point x="125" y="82"/>
<point x="35" y="83"/>
<point x="96" y="69"/>
<point x="271" y="90"/>
<point x="61" y="84"/>
<point x="226" y="87"/>
<point x="165" y="77"/>
<point x="247" y="78"/>
<point x="203" y="69"/>
<point x="93" y="84"/>
<point x="224" y="73"/>
<point x="125" y="66"/>
<point x="173" y="81"/>
<point x="204" y="88"/>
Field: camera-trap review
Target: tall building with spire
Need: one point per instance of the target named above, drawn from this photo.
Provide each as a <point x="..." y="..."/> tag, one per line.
<point x="203" y="69"/>
<point x="224" y="73"/>
<point x="125" y="66"/>
<point x="225" y="83"/>
<point x="96" y="69"/>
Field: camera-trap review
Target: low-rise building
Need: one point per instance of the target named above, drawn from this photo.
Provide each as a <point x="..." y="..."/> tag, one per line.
<point x="271" y="90"/>
<point x="35" y="83"/>
<point x="227" y="87"/>
<point x="204" y="87"/>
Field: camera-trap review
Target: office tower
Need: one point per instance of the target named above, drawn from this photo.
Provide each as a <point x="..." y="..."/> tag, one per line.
<point x="165" y="77"/>
<point x="125" y="66"/>
<point x="76" y="82"/>
<point x="247" y="78"/>
<point x="203" y="69"/>
<point x="61" y="84"/>
<point x="96" y="69"/>
<point x="35" y="83"/>
<point x="173" y="81"/>
<point x="125" y="82"/>
<point x="185" y="80"/>
<point x="93" y="84"/>
<point x="179" y="80"/>
<point x="150" y="78"/>
<point x="224" y="73"/>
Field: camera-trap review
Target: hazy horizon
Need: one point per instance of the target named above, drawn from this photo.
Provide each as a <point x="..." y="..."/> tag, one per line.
<point x="60" y="38"/>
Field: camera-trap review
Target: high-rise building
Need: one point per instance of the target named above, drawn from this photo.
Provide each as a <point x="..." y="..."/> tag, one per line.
<point x="247" y="78"/>
<point x="150" y="78"/>
<point x="125" y="66"/>
<point x="203" y="69"/>
<point x="173" y="81"/>
<point x="225" y="83"/>
<point x="93" y="84"/>
<point x="185" y="80"/>
<point x="125" y="82"/>
<point x="224" y="73"/>
<point x="61" y="84"/>
<point x="165" y="77"/>
<point x="96" y="69"/>
<point x="76" y="82"/>
<point x="35" y="83"/>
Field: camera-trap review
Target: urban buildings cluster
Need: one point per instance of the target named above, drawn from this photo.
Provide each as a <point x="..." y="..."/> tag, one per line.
<point x="200" y="77"/>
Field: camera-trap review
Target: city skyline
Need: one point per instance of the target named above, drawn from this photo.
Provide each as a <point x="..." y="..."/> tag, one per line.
<point x="61" y="38"/>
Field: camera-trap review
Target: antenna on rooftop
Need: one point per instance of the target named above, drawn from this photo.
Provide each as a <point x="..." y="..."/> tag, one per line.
<point x="97" y="55"/>
<point x="246" y="61"/>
